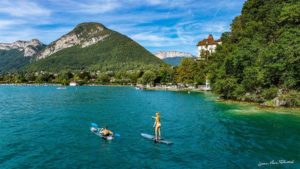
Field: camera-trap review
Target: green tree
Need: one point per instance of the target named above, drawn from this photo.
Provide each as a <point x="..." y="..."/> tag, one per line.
<point x="261" y="53"/>
<point x="191" y="71"/>
<point x="148" y="78"/>
<point x="103" y="78"/>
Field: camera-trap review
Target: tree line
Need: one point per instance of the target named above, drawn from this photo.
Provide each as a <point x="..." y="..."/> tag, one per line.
<point x="190" y="71"/>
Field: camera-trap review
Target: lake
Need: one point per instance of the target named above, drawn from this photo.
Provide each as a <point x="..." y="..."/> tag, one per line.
<point x="42" y="127"/>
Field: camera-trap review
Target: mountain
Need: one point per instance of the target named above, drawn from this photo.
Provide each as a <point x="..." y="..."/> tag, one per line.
<point x="172" y="54"/>
<point x="14" y="56"/>
<point x="29" y="48"/>
<point x="173" y="57"/>
<point x="93" y="46"/>
<point x="83" y="35"/>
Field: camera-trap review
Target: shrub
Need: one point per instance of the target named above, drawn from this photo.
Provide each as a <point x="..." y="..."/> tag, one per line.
<point x="270" y="93"/>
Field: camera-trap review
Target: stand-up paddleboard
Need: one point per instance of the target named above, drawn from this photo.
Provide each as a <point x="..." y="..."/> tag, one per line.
<point x="151" y="137"/>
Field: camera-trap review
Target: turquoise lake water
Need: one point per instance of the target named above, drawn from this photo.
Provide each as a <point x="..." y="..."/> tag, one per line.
<point x="42" y="127"/>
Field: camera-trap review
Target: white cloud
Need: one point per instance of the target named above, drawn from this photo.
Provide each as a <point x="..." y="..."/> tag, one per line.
<point x="13" y="35"/>
<point x="98" y="7"/>
<point x="192" y="29"/>
<point x="6" y="23"/>
<point x="147" y="36"/>
<point x="86" y="7"/>
<point x="156" y="39"/>
<point x="155" y="42"/>
<point x="19" y="8"/>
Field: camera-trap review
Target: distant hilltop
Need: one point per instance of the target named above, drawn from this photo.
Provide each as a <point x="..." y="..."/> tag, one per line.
<point x="30" y="48"/>
<point x="84" y="35"/>
<point x="172" y="54"/>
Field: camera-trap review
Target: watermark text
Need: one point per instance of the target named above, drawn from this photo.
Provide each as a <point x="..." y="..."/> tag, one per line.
<point x="273" y="162"/>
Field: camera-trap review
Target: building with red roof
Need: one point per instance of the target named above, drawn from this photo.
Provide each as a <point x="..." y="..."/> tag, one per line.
<point x="208" y="45"/>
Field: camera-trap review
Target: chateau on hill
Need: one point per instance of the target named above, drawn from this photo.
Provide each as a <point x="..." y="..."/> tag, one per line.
<point x="207" y="45"/>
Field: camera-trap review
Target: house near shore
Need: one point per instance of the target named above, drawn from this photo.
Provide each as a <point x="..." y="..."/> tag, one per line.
<point x="207" y="46"/>
<point x="73" y="84"/>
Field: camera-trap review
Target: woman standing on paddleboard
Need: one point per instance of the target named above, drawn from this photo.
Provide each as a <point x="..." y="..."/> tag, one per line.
<point x="157" y="125"/>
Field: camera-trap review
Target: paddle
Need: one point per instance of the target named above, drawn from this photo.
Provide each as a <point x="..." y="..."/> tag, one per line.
<point x="94" y="125"/>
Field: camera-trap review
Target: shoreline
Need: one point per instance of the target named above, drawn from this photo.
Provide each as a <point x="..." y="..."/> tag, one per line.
<point x="176" y="89"/>
<point x="229" y="101"/>
<point x="30" y="84"/>
<point x="172" y="89"/>
<point x="54" y="84"/>
<point x="258" y="105"/>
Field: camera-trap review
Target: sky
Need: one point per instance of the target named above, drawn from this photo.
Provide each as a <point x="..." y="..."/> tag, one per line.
<point x="158" y="25"/>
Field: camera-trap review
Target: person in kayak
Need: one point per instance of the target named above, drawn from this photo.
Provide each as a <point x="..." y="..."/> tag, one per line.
<point x="106" y="132"/>
<point x="157" y="126"/>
